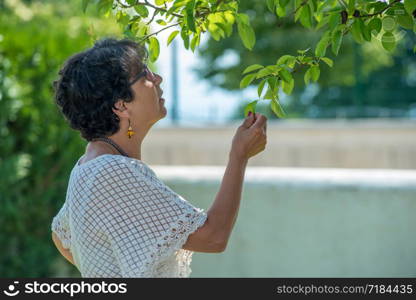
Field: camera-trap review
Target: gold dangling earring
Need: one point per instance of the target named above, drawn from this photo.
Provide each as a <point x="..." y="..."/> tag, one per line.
<point x="130" y="132"/>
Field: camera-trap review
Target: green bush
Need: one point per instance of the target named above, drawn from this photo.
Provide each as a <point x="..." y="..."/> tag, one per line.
<point x="38" y="149"/>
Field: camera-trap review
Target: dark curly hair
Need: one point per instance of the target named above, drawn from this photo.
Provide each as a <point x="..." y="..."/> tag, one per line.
<point x="92" y="81"/>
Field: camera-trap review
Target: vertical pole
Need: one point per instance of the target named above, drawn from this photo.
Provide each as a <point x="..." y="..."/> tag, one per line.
<point x="175" y="81"/>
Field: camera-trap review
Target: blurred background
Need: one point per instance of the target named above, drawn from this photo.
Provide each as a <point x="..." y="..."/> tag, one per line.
<point x="333" y="194"/>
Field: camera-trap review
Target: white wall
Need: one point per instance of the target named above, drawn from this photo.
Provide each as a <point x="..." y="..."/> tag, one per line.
<point x="296" y="222"/>
<point x="293" y="143"/>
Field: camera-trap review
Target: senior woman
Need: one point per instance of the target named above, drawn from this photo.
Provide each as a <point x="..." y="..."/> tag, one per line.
<point x="119" y="219"/>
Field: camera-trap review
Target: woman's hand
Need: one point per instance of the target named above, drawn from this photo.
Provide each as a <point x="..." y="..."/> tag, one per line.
<point x="251" y="137"/>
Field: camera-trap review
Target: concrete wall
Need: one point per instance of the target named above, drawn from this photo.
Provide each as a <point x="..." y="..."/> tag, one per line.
<point x="296" y="222"/>
<point x="293" y="143"/>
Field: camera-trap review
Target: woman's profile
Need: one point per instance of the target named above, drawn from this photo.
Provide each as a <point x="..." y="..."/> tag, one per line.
<point x="119" y="219"/>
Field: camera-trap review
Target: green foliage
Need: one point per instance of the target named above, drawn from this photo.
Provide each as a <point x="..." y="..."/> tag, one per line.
<point x="37" y="146"/>
<point x="154" y="48"/>
<point x="362" y="19"/>
<point x="245" y="31"/>
<point x="172" y="36"/>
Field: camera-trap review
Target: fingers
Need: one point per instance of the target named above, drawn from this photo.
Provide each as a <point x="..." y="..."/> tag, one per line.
<point x="260" y="121"/>
<point x="248" y="121"/>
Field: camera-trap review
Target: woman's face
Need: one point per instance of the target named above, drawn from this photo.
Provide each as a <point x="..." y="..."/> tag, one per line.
<point x="148" y="105"/>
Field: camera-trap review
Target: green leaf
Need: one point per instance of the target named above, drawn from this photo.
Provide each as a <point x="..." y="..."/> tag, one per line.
<point x="374" y="26"/>
<point x="405" y="21"/>
<point x="365" y="31"/>
<point x="161" y="22"/>
<point x="334" y="20"/>
<point x="261" y="86"/>
<point x="270" y="5"/>
<point x="250" y="107"/>
<point x="246" y="34"/>
<point x="410" y="6"/>
<point x="153" y="48"/>
<point x="322" y="44"/>
<point x="328" y="61"/>
<point x="195" y="41"/>
<point x="104" y="6"/>
<point x="172" y="36"/>
<point x="306" y="17"/>
<point x="388" y="41"/>
<point x="285" y="75"/>
<point x="356" y="31"/>
<point x="315" y="72"/>
<point x="247" y="80"/>
<point x="177" y="5"/>
<point x="264" y="72"/>
<point x="229" y="17"/>
<point x="336" y="41"/>
<point x="302" y="52"/>
<point x="85" y="5"/>
<point x="215" y="31"/>
<point x="280" y="11"/>
<point x="142" y="30"/>
<point x="288" y="86"/>
<point x="323" y="21"/>
<point x="289" y="60"/>
<point x="142" y="10"/>
<point x="307" y="76"/>
<point x="276" y="108"/>
<point x="252" y="68"/>
<point x="283" y="3"/>
<point x="185" y="37"/>
<point x="227" y="29"/>
<point x="272" y="82"/>
<point x="351" y="7"/>
<point x="269" y="94"/>
<point x="190" y="11"/>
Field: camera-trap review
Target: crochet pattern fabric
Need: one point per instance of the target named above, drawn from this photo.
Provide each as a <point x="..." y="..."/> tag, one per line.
<point x="120" y="220"/>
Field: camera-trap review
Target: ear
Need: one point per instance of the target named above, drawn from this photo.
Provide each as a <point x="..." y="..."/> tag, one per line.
<point x="121" y="110"/>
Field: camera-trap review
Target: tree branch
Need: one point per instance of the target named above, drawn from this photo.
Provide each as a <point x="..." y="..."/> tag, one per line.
<point x="300" y="5"/>
<point x="151" y="20"/>
<point x="155" y="33"/>
<point x="381" y="11"/>
<point x="146" y="3"/>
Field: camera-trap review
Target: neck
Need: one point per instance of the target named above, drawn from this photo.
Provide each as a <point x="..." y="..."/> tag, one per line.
<point x="132" y="146"/>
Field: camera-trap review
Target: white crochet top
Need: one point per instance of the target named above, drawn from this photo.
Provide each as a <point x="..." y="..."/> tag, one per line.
<point x="120" y="220"/>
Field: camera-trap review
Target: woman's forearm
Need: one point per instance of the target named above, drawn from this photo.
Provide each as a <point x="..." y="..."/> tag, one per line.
<point x="223" y="212"/>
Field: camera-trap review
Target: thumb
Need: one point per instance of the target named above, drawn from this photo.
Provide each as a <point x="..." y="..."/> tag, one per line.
<point x="248" y="121"/>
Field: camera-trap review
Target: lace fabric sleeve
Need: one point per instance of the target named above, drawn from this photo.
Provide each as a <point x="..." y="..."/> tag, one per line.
<point x="146" y="222"/>
<point x="60" y="225"/>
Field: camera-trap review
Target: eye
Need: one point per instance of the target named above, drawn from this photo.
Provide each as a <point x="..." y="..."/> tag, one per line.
<point x="150" y="75"/>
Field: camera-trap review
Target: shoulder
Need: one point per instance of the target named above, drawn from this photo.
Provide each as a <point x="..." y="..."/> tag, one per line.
<point x="111" y="167"/>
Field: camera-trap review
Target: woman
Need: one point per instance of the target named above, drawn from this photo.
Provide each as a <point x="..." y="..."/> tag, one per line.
<point x="119" y="219"/>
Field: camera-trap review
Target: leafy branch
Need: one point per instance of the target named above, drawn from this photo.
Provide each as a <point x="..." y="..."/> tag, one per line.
<point x="381" y="11"/>
<point x="155" y="33"/>
<point x="146" y="3"/>
<point x="336" y="18"/>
